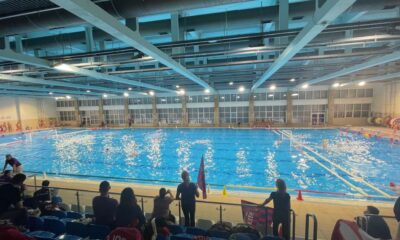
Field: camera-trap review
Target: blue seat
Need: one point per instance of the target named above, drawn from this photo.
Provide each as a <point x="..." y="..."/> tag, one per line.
<point x="175" y="229"/>
<point x="196" y="231"/>
<point x="270" y="238"/>
<point x="59" y="214"/>
<point x="74" y="215"/>
<point x="181" y="236"/>
<point x="35" y="223"/>
<point x="89" y="215"/>
<point x="98" y="231"/>
<point x="48" y="217"/>
<point x="68" y="237"/>
<point x="241" y="236"/>
<point x="41" y="235"/>
<point x="218" y="234"/>
<point x="55" y="226"/>
<point x="77" y="228"/>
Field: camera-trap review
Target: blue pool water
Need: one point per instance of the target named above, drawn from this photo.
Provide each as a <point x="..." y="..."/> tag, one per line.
<point x="232" y="156"/>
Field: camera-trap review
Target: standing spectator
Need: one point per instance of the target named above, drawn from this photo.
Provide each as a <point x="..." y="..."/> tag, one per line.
<point x="161" y="205"/>
<point x="104" y="207"/>
<point x="129" y="213"/>
<point x="396" y="209"/>
<point x="376" y="225"/>
<point x="187" y="193"/>
<point x="11" y="201"/>
<point x="14" y="163"/>
<point x="6" y="177"/>
<point x="281" y="213"/>
<point x="43" y="194"/>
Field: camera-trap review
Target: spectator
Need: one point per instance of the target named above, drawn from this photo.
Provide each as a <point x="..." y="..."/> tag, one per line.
<point x="129" y="213"/>
<point x="43" y="194"/>
<point x="11" y="201"/>
<point x="104" y="207"/>
<point x="14" y="163"/>
<point x="5" y="177"/>
<point x="376" y="225"/>
<point x="396" y="209"/>
<point x="187" y="193"/>
<point x="281" y="213"/>
<point x="161" y="205"/>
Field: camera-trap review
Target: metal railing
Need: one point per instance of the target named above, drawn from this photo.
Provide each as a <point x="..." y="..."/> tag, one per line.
<point x="315" y="226"/>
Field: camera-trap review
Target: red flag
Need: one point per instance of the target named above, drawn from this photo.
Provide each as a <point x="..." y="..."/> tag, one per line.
<point x="258" y="217"/>
<point x="201" y="178"/>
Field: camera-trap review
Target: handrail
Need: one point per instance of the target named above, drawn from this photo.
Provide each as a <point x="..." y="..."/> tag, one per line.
<point x="315" y="226"/>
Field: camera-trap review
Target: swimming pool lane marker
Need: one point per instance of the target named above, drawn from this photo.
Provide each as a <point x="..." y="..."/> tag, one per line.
<point x="70" y="133"/>
<point x="10" y="143"/>
<point x="347" y="172"/>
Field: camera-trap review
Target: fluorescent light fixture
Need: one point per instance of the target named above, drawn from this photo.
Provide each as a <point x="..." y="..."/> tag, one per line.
<point x="105" y="96"/>
<point x="176" y="99"/>
<point x="295" y="94"/>
<point x="181" y="92"/>
<point x="335" y="85"/>
<point x="230" y="83"/>
<point x="163" y="100"/>
<point x="272" y="87"/>
<point x="304" y="86"/>
<point x="50" y="93"/>
<point x="151" y="93"/>
<point x="130" y="89"/>
<point x="362" y="83"/>
<point x="241" y="89"/>
<point x="293" y="80"/>
<point x="207" y="90"/>
<point x="56" y="98"/>
<point x="222" y="97"/>
<point x="206" y="98"/>
<point x="342" y="85"/>
<point x="68" y="97"/>
<point x="88" y="91"/>
<point x="126" y="94"/>
<point x="237" y="97"/>
<point x="64" y="67"/>
<point x="177" y="86"/>
<point x="270" y="95"/>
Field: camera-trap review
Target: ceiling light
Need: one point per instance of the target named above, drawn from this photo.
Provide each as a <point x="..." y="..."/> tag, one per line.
<point x="88" y="91"/>
<point x="207" y="90"/>
<point x="362" y="83"/>
<point x="295" y="94"/>
<point x="64" y="67"/>
<point x="105" y="95"/>
<point x="237" y="97"/>
<point x="342" y="85"/>
<point x="181" y="92"/>
<point x="304" y="86"/>
<point x="272" y="87"/>
<point x="151" y="93"/>
<point x="163" y="100"/>
<point x="130" y="89"/>
<point x="270" y="95"/>
<point x="336" y="85"/>
<point x="68" y="97"/>
<point x="241" y="89"/>
<point x="126" y="94"/>
<point x="230" y="83"/>
<point x="50" y="93"/>
<point x="56" y="98"/>
<point x="293" y="79"/>
<point x="177" y="86"/>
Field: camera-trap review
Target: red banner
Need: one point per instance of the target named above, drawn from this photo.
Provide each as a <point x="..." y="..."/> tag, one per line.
<point x="258" y="217"/>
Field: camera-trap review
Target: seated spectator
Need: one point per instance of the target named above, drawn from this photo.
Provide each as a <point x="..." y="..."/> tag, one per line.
<point x="55" y="199"/>
<point x="129" y="213"/>
<point x="376" y="225"/>
<point x="43" y="194"/>
<point x="104" y="207"/>
<point x="396" y="209"/>
<point x="161" y="205"/>
<point x="5" y="177"/>
<point x="125" y="233"/>
<point x="157" y="228"/>
<point x="11" y="201"/>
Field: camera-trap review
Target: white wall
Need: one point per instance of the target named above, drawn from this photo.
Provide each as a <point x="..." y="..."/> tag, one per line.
<point x="386" y="100"/>
<point x="8" y="111"/>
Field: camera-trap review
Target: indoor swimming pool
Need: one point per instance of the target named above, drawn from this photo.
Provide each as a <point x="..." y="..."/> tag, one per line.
<point x="330" y="161"/>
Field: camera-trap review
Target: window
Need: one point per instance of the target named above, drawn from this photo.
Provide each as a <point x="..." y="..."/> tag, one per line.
<point x="114" y="117"/>
<point x="169" y="100"/>
<point x="200" y="98"/>
<point x="201" y="115"/>
<point x="141" y="116"/>
<point x="138" y="101"/>
<point x="234" y="97"/>
<point x="352" y="110"/>
<point x="91" y="117"/>
<point x="67" y="116"/>
<point x="234" y="114"/>
<point x="354" y="93"/>
<point x="113" y="101"/>
<point x="271" y="113"/>
<point x="170" y="115"/>
<point x="65" y="103"/>
<point x="87" y="102"/>
<point x="302" y="113"/>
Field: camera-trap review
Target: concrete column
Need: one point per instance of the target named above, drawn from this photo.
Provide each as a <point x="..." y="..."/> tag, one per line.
<point x="176" y="32"/>
<point x="77" y="113"/>
<point x="185" y="116"/>
<point x="289" y="108"/>
<point x="331" y="106"/>
<point x="251" y="110"/>
<point x="101" y="111"/>
<point x="18" y="109"/>
<point x="4" y="43"/>
<point x="132" y="23"/>
<point x="283" y="22"/>
<point x="102" y="46"/>
<point x="126" y="111"/>
<point x="18" y="44"/>
<point x="155" y="112"/>
<point x="216" y="111"/>
<point x="90" y="46"/>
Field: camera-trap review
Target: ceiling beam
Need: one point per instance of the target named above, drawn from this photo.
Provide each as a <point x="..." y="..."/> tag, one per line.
<point x="320" y="20"/>
<point x="25" y="79"/>
<point x="5" y="92"/>
<point x="53" y="90"/>
<point x="96" y="16"/>
<point x="355" y="68"/>
<point x="375" y="79"/>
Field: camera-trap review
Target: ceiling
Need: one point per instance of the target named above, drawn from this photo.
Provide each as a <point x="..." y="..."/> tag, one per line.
<point x="213" y="45"/>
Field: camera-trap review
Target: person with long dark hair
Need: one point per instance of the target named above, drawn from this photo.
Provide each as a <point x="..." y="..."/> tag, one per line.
<point x="129" y="214"/>
<point x="161" y="205"/>
<point x="281" y="215"/>
<point x="187" y="193"/>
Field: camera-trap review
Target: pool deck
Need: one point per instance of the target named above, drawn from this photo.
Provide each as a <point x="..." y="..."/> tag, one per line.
<point x="328" y="211"/>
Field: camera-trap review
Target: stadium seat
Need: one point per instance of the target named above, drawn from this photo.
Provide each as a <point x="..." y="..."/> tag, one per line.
<point x="77" y="228"/>
<point x="181" y="236"/>
<point x="41" y="235"/>
<point x="175" y="229"/>
<point x="75" y="208"/>
<point x="148" y="216"/>
<point x="74" y="215"/>
<point x="59" y="214"/>
<point x="218" y="234"/>
<point x="68" y="237"/>
<point x="243" y="236"/>
<point x="270" y="238"/>
<point x="65" y="206"/>
<point x="227" y="223"/>
<point x="89" y="209"/>
<point x="196" y="231"/>
<point x="204" y="224"/>
<point x="55" y="226"/>
<point x="35" y="223"/>
<point x="98" y="231"/>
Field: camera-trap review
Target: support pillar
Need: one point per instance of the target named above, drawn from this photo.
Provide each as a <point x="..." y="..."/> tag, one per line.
<point x="77" y="113"/>
<point x="185" y="115"/>
<point x="216" y="111"/>
<point x="101" y="111"/>
<point x="283" y="23"/>
<point x="251" y="110"/>
<point x="18" y="44"/>
<point x="331" y="105"/>
<point x="126" y="111"/>
<point x="90" y="46"/>
<point x="18" y="109"/>
<point x="4" y="43"/>
<point x="289" y="108"/>
<point x="155" y="112"/>
<point x="176" y="32"/>
<point x="132" y="23"/>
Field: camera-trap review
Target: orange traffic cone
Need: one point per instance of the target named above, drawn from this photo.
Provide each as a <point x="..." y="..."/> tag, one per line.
<point x="299" y="196"/>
